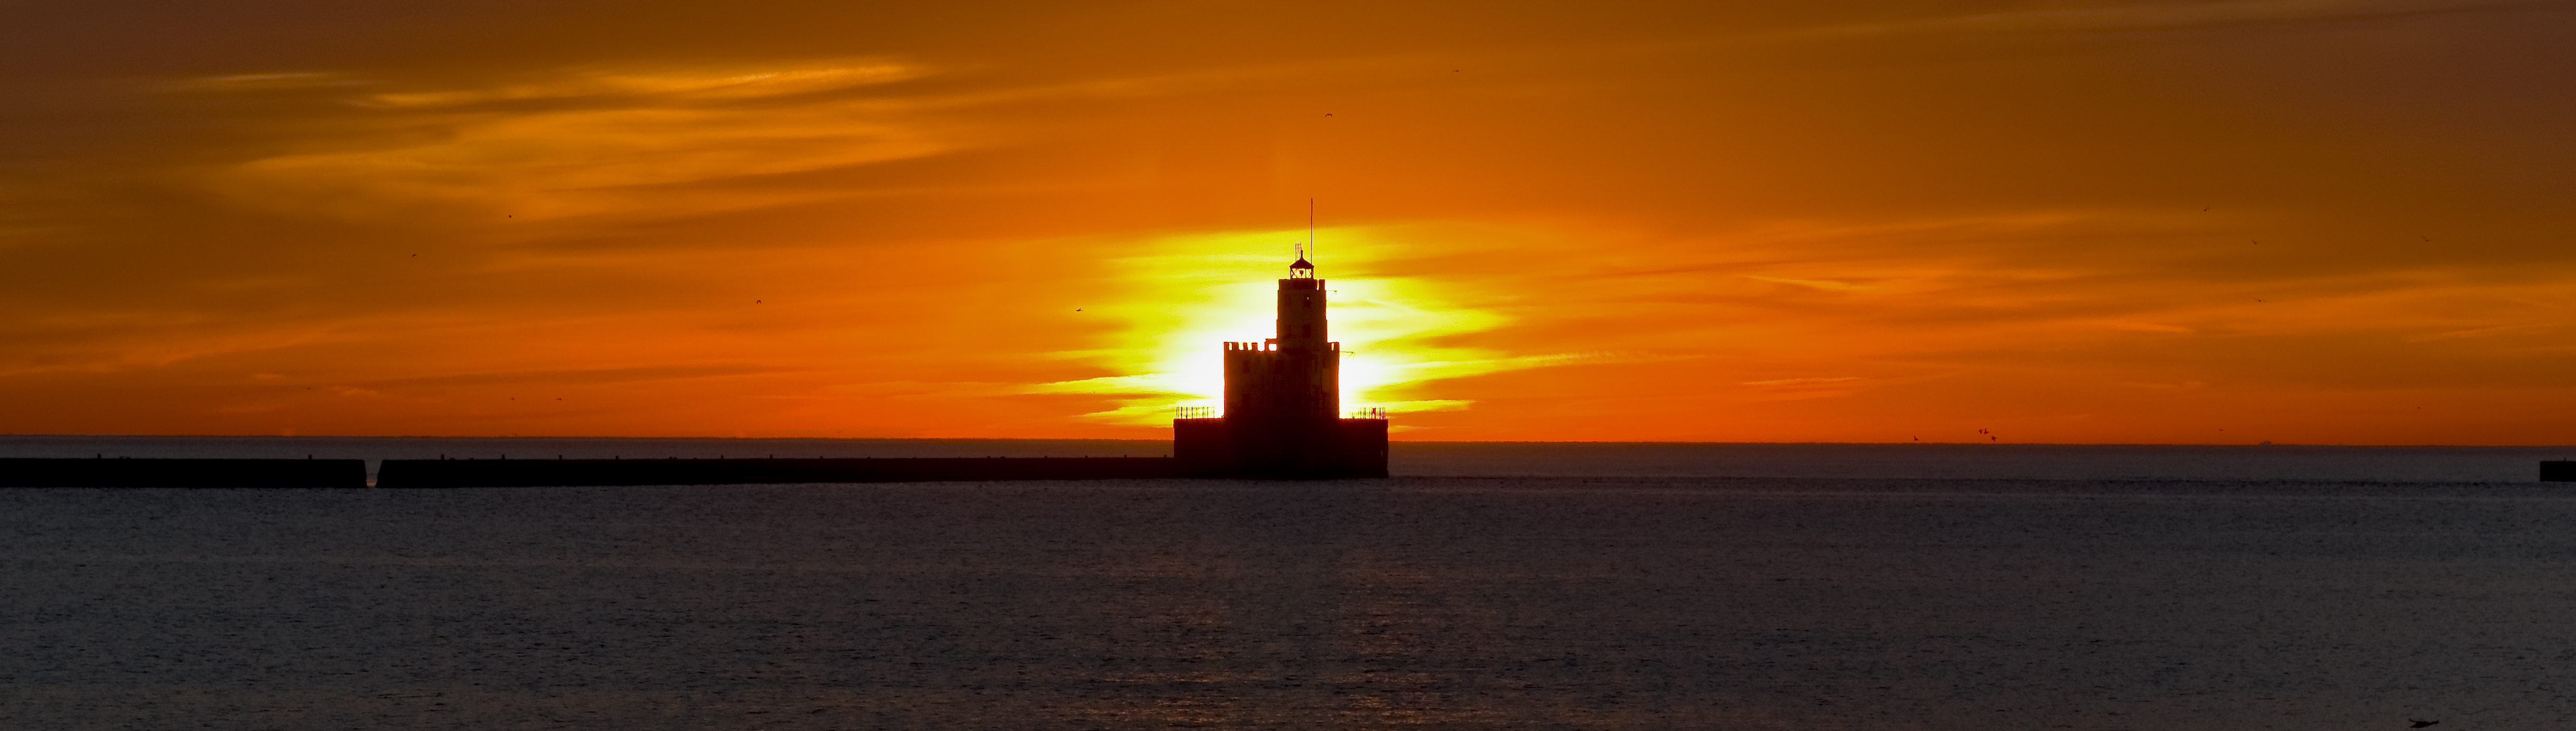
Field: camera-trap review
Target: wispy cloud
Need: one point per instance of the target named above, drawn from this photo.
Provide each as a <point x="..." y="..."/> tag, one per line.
<point x="1801" y="381"/>
<point x="276" y="80"/>
<point x="679" y="85"/>
<point x="584" y="376"/>
<point x="2172" y="15"/>
<point x="1823" y="284"/>
<point x="586" y="142"/>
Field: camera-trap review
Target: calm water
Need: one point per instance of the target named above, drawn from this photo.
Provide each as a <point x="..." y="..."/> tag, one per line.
<point x="1496" y="586"/>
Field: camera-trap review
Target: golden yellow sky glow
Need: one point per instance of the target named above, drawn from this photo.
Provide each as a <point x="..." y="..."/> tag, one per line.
<point x="2307" y="221"/>
<point x="1185" y="292"/>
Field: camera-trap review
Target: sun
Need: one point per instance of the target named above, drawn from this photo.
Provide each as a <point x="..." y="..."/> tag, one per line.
<point x="1188" y="294"/>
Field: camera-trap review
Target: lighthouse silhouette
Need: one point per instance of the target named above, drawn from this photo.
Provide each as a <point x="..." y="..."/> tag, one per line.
<point x="1283" y="400"/>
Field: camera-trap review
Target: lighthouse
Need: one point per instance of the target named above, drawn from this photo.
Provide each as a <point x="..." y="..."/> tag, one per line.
<point x="1283" y="402"/>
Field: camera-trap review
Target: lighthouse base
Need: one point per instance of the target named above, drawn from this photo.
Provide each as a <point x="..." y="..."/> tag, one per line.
<point x="1324" y="449"/>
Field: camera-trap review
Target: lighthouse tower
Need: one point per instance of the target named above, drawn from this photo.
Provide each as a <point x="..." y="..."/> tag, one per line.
<point x="1283" y="400"/>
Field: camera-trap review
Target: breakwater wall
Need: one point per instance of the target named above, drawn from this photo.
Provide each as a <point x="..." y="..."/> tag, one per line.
<point x="43" y="472"/>
<point x="431" y="473"/>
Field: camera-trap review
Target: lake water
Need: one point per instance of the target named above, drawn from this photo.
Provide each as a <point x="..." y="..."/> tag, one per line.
<point x="1487" y="586"/>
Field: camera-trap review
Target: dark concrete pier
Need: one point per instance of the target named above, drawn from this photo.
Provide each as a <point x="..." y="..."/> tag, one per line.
<point x="417" y="473"/>
<point x="121" y="472"/>
<point x="2555" y="471"/>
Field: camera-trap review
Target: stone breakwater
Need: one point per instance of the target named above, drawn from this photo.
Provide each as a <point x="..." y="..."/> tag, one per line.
<point x="436" y="473"/>
<point x="119" y="472"/>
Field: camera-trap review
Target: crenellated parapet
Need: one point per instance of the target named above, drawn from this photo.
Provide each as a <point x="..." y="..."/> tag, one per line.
<point x="1283" y="398"/>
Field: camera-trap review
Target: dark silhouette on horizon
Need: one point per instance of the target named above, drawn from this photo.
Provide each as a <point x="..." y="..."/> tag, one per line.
<point x="1283" y="398"/>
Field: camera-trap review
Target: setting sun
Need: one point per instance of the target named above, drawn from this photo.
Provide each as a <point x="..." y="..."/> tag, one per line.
<point x="1176" y="304"/>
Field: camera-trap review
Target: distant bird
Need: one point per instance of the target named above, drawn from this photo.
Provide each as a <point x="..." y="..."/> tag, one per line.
<point x="1328" y="114"/>
<point x="1077" y="309"/>
<point x="2204" y="209"/>
<point x="2420" y="724"/>
<point x="1981" y="431"/>
<point x="755" y="302"/>
<point x="2259" y="299"/>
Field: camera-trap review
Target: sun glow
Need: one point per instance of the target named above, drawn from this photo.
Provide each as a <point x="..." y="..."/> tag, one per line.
<point x="1192" y="293"/>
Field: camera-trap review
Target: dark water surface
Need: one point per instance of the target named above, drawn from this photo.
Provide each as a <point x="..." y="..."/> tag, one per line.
<point x="2183" y="599"/>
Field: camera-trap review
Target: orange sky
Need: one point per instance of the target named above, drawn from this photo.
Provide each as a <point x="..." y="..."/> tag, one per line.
<point x="2304" y="221"/>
